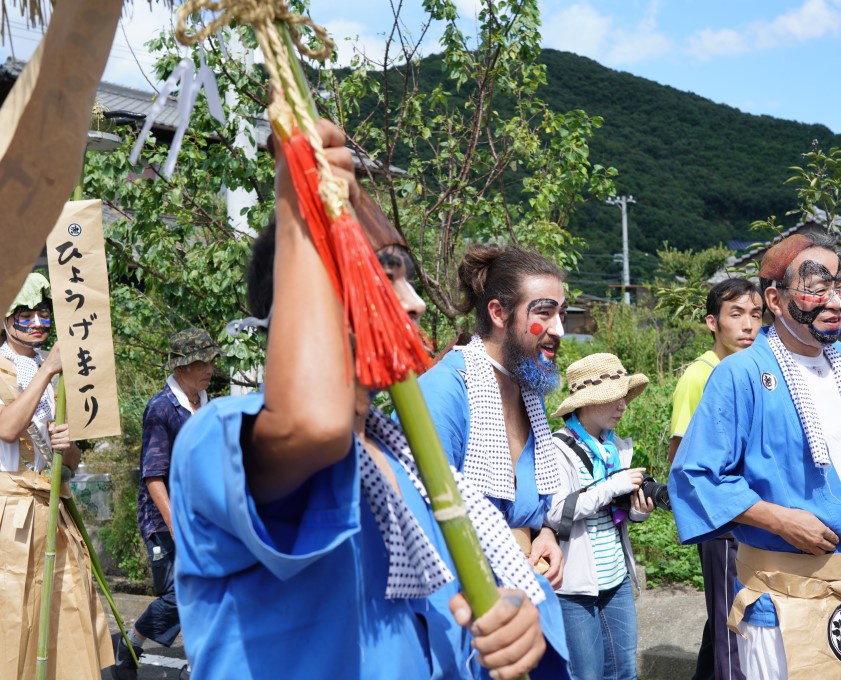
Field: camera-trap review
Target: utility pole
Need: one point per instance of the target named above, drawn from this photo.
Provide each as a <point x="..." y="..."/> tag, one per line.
<point x="622" y="202"/>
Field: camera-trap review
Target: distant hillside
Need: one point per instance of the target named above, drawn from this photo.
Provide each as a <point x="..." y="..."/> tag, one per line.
<point x="700" y="172"/>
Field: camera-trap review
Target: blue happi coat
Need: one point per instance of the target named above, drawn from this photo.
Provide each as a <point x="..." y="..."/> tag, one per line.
<point x="745" y="443"/>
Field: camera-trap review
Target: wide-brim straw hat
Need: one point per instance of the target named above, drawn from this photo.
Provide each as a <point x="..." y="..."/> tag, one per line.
<point x="599" y="379"/>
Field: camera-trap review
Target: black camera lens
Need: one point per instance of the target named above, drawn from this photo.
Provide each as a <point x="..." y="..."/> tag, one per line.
<point x="657" y="493"/>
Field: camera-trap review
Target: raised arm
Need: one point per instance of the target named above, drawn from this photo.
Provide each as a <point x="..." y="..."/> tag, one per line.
<point x="307" y="421"/>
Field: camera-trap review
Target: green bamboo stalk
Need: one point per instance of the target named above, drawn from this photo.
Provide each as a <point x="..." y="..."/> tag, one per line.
<point x="52" y="530"/>
<point x="472" y="566"/>
<point x="99" y="573"/>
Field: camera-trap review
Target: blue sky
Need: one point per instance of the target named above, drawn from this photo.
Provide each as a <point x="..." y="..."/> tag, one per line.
<point x="774" y="57"/>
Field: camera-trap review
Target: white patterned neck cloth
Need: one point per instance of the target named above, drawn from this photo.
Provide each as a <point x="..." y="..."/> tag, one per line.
<point x="802" y="398"/>
<point x="26" y="368"/>
<point x="487" y="461"/>
<point x="505" y="556"/>
<point x="415" y="569"/>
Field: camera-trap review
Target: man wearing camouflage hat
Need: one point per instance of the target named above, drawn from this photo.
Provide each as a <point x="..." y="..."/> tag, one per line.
<point x="191" y="355"/>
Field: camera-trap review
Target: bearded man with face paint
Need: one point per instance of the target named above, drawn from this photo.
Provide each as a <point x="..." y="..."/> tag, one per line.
<point x="79" y="635"/>
<point x="761" y="458"/>
<point x="486" y="397"/>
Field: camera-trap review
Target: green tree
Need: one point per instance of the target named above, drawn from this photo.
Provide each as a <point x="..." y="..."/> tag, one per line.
<point x="818" y="188"/>
<point x="682" y="280"/>
<point x="483" y="156"/>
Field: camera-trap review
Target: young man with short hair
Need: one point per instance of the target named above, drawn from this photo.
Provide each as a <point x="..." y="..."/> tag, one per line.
<point x="734" y="315"/>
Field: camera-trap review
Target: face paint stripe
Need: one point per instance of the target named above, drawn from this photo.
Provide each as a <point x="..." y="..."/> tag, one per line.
<point x="541" y="302"/>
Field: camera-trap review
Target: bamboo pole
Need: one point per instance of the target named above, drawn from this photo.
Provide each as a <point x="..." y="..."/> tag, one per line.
<point x="52" y="531"/>
<point x="99" y="573"/>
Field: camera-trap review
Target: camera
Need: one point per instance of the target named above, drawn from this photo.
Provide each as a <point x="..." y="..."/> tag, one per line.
<point x="652" y="490"/>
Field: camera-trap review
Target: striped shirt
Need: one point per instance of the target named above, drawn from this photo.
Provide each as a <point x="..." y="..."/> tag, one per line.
<point x="604" y="539"/>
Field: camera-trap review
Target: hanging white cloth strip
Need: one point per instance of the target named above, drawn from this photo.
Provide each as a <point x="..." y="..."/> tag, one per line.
<point x="189" y="83"/>
<point x="505" y="556"/>
<point x="487" y="461"/>
<point x="802" y="398"/>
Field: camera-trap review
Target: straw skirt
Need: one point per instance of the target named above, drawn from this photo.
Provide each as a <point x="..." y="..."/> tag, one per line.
<point x="79" y="642"/>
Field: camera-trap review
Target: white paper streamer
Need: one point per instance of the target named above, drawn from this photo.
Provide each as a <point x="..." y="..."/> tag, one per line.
<point x="189" y="82"/>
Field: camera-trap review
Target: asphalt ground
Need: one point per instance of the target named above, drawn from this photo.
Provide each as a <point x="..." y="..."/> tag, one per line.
<point x="670" y="622"/>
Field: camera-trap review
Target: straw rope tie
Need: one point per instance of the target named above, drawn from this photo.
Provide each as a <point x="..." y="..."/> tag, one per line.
<point x="262" y="15"/>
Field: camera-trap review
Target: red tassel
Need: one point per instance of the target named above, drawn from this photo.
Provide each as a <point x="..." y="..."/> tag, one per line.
<point x="388" y="346"/>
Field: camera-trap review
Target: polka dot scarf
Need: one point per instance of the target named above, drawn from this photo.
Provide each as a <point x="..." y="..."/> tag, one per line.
<point x="414" y="565"/>
<point x="487" y="461"/>
<point x="802" y="398"/>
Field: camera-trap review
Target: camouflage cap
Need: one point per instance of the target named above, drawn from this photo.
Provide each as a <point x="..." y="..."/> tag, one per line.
<point x="187" y="346"/>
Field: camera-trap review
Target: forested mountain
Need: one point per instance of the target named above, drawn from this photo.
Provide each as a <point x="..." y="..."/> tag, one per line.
<point x="700" y="172"/>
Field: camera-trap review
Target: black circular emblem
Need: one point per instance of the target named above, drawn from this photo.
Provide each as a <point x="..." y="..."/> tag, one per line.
<point x="769" y="381"/>
<point x="833" y="632"/>
<point x="74" y="229"/>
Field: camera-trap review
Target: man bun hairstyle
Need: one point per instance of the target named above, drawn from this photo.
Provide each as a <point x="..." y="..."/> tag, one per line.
<point x="491" y="272"/>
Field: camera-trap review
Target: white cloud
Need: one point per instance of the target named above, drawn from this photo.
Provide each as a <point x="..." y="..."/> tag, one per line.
<point x="581" y="29"/>
<point x="707" y="44"/>
<point x="814" y="19"/>
<point x="469" y="9"/>
<point x="577" y="28"/>
<point x="138" y="25"/>
<point x="353" y="38"/>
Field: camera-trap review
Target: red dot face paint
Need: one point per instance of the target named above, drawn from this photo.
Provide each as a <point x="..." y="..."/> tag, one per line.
<point x="536" y="329"/>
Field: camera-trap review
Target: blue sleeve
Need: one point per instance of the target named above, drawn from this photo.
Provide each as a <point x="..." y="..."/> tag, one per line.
<point x="156" y="447"/>
<point x="706" y="486"/>
<point x="446" y="396"/>
<point x="218" y="527"/>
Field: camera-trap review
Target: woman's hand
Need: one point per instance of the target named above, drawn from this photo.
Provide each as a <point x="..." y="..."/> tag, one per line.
<point x="508" y="637"/>
<point x="640" y="503"/>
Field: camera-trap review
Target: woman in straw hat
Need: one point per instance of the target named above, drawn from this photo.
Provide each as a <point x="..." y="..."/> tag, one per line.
<point x="590" y="519"/>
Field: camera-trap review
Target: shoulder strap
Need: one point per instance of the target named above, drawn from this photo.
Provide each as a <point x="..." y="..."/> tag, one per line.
<point x="579" y="451"/>
<point x="565" y="525"/>
<point x="705" y="361"/>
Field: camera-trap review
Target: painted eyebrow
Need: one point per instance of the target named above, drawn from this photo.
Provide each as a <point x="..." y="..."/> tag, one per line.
<point x="541" y="302"/>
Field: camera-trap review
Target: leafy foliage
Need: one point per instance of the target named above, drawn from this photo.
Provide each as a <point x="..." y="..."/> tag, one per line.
<point x="818" y="187"/>
<point x="682" y="287"/>
<point x="485" y="157"/>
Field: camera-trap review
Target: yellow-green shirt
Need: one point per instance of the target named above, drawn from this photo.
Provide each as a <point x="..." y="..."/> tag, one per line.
<point x="688" y="392"/>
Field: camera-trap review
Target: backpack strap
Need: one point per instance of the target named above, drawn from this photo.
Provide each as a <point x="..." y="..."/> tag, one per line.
<point x="577" y="448"/>
<point x="565" y="525"/>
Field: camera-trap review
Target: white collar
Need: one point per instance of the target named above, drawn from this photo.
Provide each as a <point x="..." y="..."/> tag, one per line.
<point x="181" y="396"/>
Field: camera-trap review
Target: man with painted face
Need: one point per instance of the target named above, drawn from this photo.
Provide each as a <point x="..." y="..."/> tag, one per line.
<point x="761" y="458"/>
<point x="79" y="635"/>
<point x="486" y="397"/>
<point x="734" y="315"/>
